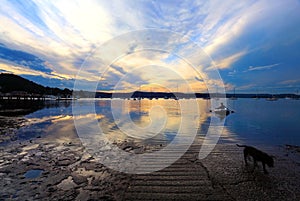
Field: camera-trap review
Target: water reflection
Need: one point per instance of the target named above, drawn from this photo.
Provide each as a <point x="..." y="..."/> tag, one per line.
<point x="39" y="121"/>
<point x="254" y="122"/>
<point x="23" y="107"/>
<point x="158" y="120"/>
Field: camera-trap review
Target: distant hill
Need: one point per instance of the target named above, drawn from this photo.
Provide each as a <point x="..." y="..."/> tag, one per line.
<point x="11" y="82"/>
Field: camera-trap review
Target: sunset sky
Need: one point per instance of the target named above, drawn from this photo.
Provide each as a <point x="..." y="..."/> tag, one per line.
<point x="254" y="44"/>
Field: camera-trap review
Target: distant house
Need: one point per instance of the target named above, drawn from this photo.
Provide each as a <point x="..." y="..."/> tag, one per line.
<point x="50" y="96"/>
<point x="19" y="93"/>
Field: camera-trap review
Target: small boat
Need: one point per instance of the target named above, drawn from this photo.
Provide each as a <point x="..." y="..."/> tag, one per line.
<point x="272" y="99"/>
<point x="223" y="112"/>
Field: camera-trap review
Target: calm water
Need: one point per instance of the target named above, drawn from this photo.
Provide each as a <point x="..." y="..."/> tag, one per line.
<point x="254" y="121"/>
<point x="31" y="174"/>
<point x="265" y="122"/>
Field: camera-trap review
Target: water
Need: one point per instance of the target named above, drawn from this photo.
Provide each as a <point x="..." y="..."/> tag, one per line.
<point x="255" y="122"/>
<point x="34" y="173"/>
<point x="265" y="122"/>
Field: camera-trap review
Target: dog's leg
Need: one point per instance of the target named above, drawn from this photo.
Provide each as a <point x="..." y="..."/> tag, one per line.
<point x="254" y="164"/>
<point x="264" y="167"/>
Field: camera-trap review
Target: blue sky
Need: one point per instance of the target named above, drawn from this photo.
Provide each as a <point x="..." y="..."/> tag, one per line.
<point x="254" y="44"/>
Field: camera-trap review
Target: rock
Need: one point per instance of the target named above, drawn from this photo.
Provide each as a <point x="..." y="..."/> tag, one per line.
<point x="83" y="195"/>
<point x="52" y="189"/>
<point x="67" y="184"/>
<point x="78" y="179"/>
<point x="63" y="162"/>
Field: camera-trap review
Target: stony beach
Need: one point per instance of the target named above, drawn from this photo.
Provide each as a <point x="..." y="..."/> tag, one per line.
<point x="9" y="126"/>
<point x="44" y="169"/>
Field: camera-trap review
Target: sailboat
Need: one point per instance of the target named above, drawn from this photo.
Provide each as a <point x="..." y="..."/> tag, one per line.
<point x="233" y="97"/>
<point x="296" y="96"/>
<point x="176" y="94"/>
<point x="256" y="96"/>
<point x="272" y="98"/>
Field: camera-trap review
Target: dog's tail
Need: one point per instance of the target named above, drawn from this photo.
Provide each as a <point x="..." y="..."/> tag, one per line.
<point x="241" y="145"/>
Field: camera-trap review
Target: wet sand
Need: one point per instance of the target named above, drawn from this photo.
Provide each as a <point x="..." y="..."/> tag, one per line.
<point x="69" y="173"/>
<point x="57" y="167"/>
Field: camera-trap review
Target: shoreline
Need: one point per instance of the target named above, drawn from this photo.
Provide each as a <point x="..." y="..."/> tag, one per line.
<point x="70" y="173"/>
<point x="50" y="168"/>
<point x="9" y="127"/>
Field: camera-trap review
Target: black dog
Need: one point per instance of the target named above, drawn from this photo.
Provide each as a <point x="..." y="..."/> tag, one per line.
<point x="257" y="155"/>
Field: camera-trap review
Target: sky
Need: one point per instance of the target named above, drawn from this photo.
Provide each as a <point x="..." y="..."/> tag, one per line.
<point x="254" y="45"/>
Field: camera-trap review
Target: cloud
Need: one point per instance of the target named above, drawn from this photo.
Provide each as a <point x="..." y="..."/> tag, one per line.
<point x="288" y="82"/>
<point x="54" y="37"/>
<point x="23" y="59"/>
<point x="21" y="70"/>
<point x="119" y="69"/>
<point x="232" y="73"/>
<point x="228" y="61"/>
<point x="266" y="67"/>
<point x="199" y="79"/>
<point x="246" y="87"/>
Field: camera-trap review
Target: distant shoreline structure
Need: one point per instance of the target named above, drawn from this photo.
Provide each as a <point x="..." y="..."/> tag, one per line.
<point x="138" y="95"/>
<point x="14" y="87"/>
<point x="177" y="95"/>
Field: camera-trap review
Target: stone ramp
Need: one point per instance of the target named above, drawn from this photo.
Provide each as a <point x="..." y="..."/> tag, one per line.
<point x="186" y="179"/>
<point x="220" y="176"/>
